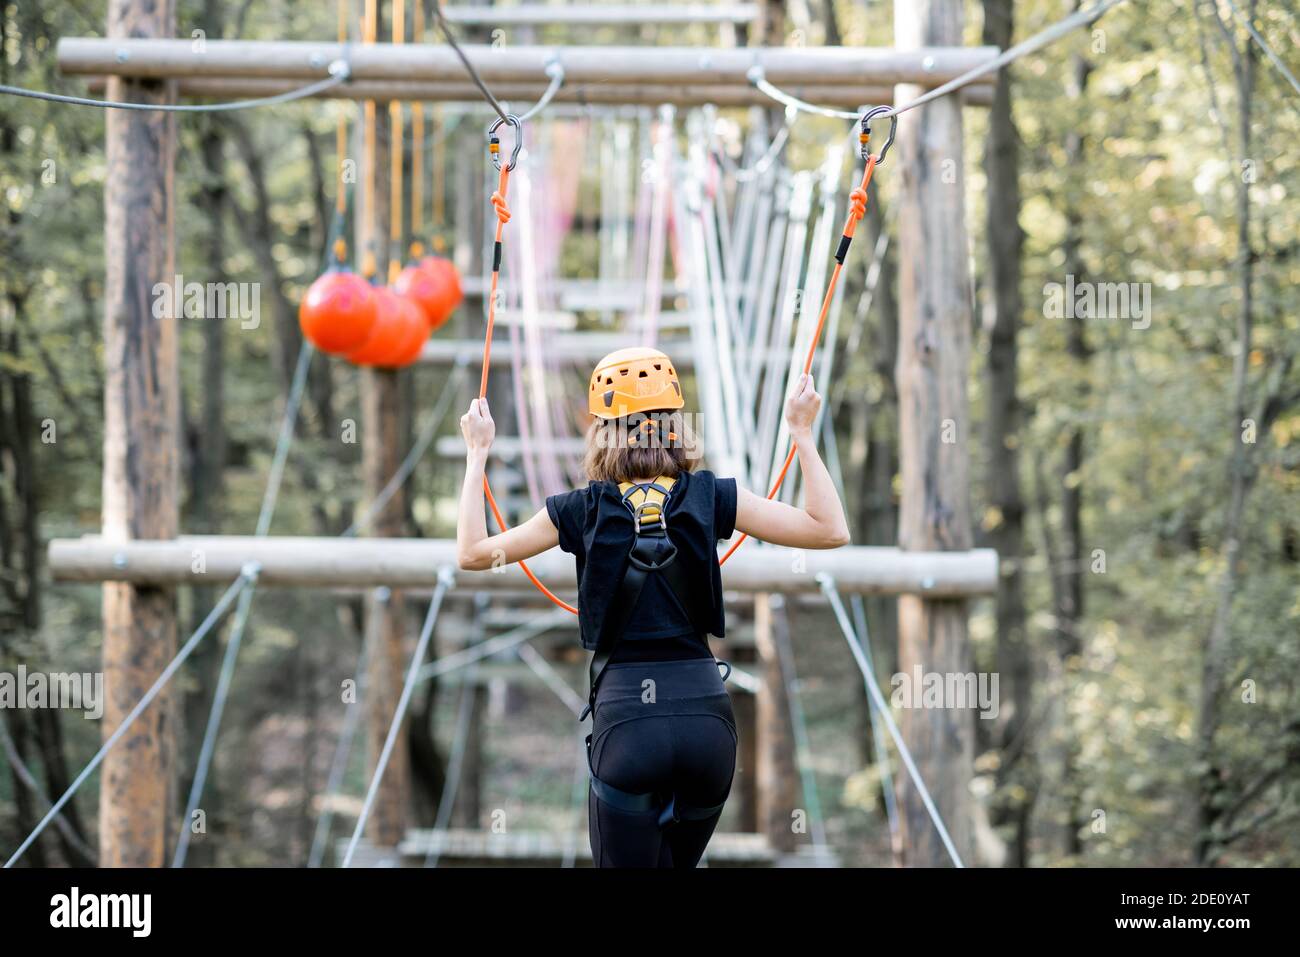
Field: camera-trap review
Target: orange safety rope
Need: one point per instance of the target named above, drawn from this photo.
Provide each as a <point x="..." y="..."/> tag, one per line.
<point x="857" y="209"/>
<point x="341" y="130"/>
<point x="340" y="244"/>
<point x="503" y="217"/>
<point x="369" y="34"/>
<point x="416" y="248"/>
<point x="397" y="142"/>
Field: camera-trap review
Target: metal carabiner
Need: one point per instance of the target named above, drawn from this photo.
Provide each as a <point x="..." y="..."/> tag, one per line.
<point x="495" y="141"/>
<point x="866" y="132"/>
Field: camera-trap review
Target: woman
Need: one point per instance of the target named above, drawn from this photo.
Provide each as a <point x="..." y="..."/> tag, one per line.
<point x="644" y="536"/>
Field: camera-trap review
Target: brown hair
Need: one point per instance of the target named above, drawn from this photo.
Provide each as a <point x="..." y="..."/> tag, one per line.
<point x="663" y="446"/>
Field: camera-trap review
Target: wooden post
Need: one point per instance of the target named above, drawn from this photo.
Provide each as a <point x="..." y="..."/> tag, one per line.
<point x="933" y="361"/>
<point x="778" y="773"/>
<point x="745" y="785"/>
<point x="141" y="454"/>
<point x="769" y="25"/>
<point x="381" y="407"/>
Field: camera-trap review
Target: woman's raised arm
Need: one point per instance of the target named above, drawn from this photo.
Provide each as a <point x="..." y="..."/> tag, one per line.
<point x="476" y="549"/>
<point x="821" y="522"/>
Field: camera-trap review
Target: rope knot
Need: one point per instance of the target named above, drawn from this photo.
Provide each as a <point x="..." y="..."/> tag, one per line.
<point x="503" y="210"/>
<point x="858" y="203"/>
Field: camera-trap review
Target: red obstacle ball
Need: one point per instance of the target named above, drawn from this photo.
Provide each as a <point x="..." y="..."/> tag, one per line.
<point x="338" y="313"/>
<point x="417" y="331"/>
<point x="400" y="329"/>
<point x="425" y="290"/>
<point x="450" y="294"/>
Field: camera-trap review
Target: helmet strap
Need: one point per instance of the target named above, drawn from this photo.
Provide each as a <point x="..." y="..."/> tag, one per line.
<point x="648" y="427"/>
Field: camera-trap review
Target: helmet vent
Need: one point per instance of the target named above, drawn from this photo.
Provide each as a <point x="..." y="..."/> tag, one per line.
<point x="644" y="374"/>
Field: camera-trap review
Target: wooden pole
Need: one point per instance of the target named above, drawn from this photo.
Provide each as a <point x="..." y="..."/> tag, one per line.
<point x="769" y="26"/>
<point x="582" y="347"/>
<point x="305" y="562"/>
<point x="380" y="458"/>
<point x="778" y="772"/>
<point x="629" y="66"/>
<point x="141" y="453"/>
<point x="633" y="14"/>
<point x="848" y="96"/>
<point x="745" y="785"/>
<point x="933" y="362"/>
<point x="844" y="96"/>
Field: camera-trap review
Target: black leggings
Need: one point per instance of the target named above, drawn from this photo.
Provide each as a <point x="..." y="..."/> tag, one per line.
<point x="666" y="728"/>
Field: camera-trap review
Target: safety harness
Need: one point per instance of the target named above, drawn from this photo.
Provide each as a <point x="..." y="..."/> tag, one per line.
<point x="654" y="553"/>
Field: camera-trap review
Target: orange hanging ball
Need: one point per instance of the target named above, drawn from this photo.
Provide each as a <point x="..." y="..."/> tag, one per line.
<point x="385" y="335"/>
<point x="399" y="332"/>
<point x="338" y="313"/>
<point x="449" y="294"/>
<point x="423" y="289"/>
<point x="417" y="331"/>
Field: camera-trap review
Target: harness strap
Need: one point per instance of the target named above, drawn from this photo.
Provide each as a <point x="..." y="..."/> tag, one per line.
<point x="652" y="552"/>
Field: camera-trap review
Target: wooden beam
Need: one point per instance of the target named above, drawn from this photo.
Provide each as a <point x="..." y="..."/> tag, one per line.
<point x="509" y="447"/>
<point x="572" y="347"/>
<point x="637" y="14"/>
<point x="306" y="61"/>
<point x="464" y="847"/>
<point x="934" y="297"/>
<point x="306" y="562"/>
<point x="584" y="294"/>
<point x="587" y="347"/>
<point x="845" y="95"/>
<point x="141" y="454"/>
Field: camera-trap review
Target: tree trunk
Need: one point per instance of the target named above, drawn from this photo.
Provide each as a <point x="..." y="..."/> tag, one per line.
<point x="1003" y="420"/>
<point x="1068" y="563"/>
<point x="933" y="357"/>
<point x="1242" y="470"/>
<point x="207" y="461"/>
<point x="141" y="413"/>
<point x="878" y="524"/>
<point x="260" y="232"/>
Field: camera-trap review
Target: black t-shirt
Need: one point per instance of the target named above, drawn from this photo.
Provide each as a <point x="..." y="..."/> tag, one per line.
<point x="596" y="528"/>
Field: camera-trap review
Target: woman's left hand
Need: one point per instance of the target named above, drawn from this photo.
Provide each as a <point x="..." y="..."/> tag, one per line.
<point x="477" y="427"/>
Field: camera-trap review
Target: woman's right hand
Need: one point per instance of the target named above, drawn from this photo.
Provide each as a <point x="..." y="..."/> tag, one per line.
<point x="801" y="408"/>
<point x="477" y="427"/>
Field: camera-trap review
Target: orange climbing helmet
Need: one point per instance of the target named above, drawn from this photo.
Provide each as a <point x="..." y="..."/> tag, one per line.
<point x="633" y="380"/>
